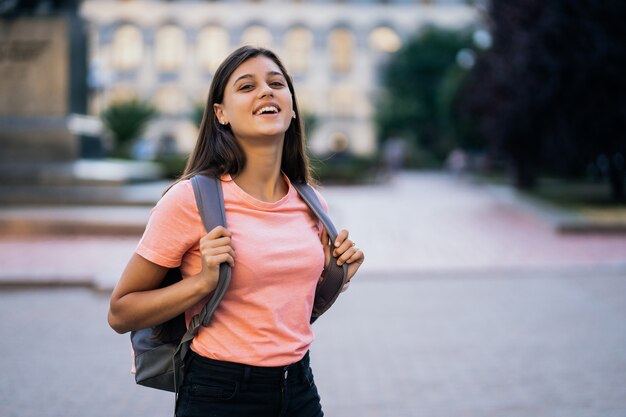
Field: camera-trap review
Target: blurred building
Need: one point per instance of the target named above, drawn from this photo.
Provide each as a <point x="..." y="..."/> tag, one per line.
<point x="167" y="51"/>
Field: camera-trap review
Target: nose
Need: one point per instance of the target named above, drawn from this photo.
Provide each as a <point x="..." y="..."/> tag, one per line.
<point x="265" y="90"/>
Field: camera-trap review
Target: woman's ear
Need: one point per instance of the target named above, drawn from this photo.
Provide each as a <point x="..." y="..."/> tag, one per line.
<point x="219" y="113"/>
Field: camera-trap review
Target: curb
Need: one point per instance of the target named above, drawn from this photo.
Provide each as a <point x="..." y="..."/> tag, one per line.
<point x="104" y="284"/>
<point x="562" y="220"/>
<point x="64" y="221"/>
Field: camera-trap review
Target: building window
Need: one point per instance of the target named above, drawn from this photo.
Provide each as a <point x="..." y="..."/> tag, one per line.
<point x="342" y="101"/>
<point x="170" y="100"/>
<point x="213" y="46"/>
<point x="170" y="48"/>
<point x="298" y="45"/>
<point x="257" y="36"/>
<point x="341" y="45"/>
<point x="121" y="93"/>
<point x="384" y="39"/>
<point x="127" y="48"/>
<point x="306" y="103"/>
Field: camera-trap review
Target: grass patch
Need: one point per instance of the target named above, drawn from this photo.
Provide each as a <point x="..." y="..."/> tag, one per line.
<point x="590" y="200"/>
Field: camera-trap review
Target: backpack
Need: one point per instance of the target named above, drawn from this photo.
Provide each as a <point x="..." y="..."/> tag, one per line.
<point x="160" y="351"/>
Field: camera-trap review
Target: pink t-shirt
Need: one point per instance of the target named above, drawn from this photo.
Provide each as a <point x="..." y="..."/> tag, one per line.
<point x="263" y="319"/>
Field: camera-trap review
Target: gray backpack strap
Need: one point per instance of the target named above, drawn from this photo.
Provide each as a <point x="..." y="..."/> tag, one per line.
<point x="335" y="278"/>
<point x="210" y="202"/>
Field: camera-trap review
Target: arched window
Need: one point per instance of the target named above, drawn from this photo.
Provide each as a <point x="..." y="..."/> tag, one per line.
<point x="341" y="45"/>
<point x="257" y="36"/>
<point x="342" y="101"/>
<point x="170" y="46"/>
<point x="384" y="39"/>
<point x="127" y="48"/>
<point x="298" y="45"/>
<point x="306" y="102"/>
<point x="121" y="93"/>
<point x="213" y="46"/>
<point x="170" y="100"/>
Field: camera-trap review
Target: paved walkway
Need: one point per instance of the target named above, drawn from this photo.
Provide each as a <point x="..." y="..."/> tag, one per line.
<point x="457" y="346"/>
<point x="469" y="304"/>
<point x="419" y="224"/>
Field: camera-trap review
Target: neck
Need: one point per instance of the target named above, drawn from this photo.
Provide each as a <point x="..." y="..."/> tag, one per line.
<point x="261" y="177"/>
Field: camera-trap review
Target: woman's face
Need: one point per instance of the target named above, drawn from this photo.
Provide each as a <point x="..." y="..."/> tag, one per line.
<point x="257" y="101"/>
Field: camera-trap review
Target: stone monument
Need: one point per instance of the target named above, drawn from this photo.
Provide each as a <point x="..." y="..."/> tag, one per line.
<point x="42" y="82"/>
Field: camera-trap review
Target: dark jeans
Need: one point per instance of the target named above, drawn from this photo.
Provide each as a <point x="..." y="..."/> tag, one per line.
<point x="224" y="389"/>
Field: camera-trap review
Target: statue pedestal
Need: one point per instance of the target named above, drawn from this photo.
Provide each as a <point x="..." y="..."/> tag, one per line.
<point x="37" y="97"/>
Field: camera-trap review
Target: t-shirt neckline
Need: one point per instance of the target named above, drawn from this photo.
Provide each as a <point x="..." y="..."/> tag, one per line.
<point x="253" y="200"/>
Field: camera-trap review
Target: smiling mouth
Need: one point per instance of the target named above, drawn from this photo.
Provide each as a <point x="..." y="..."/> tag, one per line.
<point x="266" y="110"/>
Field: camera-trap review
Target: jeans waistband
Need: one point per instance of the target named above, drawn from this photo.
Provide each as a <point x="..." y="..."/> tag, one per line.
<point x="239" y="371"/>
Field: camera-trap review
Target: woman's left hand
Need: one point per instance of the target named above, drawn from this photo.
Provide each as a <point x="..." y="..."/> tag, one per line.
<point x="345" y="250"/>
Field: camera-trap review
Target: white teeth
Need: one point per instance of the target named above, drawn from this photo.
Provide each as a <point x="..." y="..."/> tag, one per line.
<point x="267" y="109"/>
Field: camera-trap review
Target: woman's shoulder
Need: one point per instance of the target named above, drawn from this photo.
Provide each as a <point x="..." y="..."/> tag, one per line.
<point x="178" y="194"/>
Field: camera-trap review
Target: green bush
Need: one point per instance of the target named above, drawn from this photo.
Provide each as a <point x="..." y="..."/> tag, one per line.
<point x="173" y="165"/>
<point x="126" y="121"/>
<point x="344" y="169"/>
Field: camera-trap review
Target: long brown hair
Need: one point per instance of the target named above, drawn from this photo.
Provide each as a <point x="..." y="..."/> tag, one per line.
<point x="217" y="152"/>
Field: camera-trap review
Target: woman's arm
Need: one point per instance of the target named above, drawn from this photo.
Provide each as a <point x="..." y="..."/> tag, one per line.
<point x="137" y="301"/>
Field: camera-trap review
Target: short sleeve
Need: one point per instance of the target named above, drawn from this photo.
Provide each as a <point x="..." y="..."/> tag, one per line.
<point x="173" y="228"/>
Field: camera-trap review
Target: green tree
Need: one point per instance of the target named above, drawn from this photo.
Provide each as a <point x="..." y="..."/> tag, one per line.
<point x="550" y="95"/>
<point x="126" y="121"/>
<point x="420" y="86"/>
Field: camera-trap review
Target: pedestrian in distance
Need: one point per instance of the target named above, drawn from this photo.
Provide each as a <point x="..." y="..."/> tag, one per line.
<point x="252" y="359"/>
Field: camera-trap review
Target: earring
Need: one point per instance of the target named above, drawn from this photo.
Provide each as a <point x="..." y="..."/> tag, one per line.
<point x="293" y="114"/>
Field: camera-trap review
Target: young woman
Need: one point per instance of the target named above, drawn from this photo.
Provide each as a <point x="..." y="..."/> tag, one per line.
<point x="252" y="360"/>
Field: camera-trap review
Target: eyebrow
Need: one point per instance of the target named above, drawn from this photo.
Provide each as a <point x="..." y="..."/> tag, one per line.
<point x="252" y="76"/>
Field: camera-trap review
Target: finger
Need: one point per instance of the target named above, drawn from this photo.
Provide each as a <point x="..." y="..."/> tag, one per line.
<point x="343" y="235"/>
<point x="217" y="232"/>
<point x="225" y="257"/>
<point x="354" y="266"/>
<point x="345" y="245"/>
<point x="207" y="242"/>
<point x="220" y="256"/>
<point x="213" y="252"/>
<point x="346" y="255"/>
<point x="357" y="258"/>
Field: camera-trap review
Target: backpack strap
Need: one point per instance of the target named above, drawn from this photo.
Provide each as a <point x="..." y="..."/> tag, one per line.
<point x="335" y="277"/>
<point x="210" y="202"/>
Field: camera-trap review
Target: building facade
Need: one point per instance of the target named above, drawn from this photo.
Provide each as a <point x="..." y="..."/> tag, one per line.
<point x="166" y="52"/>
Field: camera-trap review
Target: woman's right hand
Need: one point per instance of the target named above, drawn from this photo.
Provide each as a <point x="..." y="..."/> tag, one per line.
<point x="137" y="301"/>
<point x="215" y="249"/>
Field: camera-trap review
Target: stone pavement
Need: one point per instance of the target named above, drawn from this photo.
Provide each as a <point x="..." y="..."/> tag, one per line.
<point x="423" y="224"/>
<point x="541" y="345"/>
<point x="469" y="304"/>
